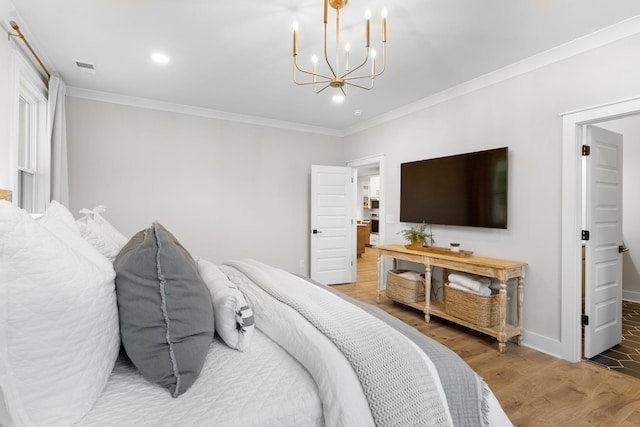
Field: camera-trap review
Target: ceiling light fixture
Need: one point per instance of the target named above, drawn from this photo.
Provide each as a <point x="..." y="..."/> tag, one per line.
<point x="335" y="77"/>
<point x="160" y="58"/>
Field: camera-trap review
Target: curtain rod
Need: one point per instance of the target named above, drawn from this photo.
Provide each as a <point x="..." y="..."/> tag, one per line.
<point x="20" y="35"/>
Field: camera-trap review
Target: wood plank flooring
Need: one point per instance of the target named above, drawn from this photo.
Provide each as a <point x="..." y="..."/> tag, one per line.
<point x="535" y="389"/>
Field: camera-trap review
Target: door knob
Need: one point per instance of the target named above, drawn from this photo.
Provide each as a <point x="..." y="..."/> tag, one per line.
<point x="622" y="249"/>
<point x="315" y="231"/>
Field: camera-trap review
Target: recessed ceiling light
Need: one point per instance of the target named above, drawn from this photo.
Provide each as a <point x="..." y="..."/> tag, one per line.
<point x="160" y="58"/>
<point x="357" y="113"/>
<point x="338" y="99"/>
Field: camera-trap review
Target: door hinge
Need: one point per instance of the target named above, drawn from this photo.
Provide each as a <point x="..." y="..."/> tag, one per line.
<point x="585" y="234"/>
<point x="585" y="320"/>
<point x="586" y="150"/>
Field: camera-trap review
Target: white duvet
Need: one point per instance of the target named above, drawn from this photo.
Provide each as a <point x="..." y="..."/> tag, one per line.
<point x="263" y="386"/>
<point x="302" y="381"/>
<point x="291" y="375"/>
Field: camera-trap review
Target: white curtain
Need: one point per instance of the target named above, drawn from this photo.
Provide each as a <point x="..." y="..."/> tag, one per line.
<point x="58" y="126"/>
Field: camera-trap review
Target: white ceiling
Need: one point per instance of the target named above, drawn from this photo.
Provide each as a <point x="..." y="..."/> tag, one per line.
<point x="235" y="56"/>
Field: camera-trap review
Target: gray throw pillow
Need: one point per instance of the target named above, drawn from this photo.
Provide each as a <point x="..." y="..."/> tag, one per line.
<point x="166" y="316"/>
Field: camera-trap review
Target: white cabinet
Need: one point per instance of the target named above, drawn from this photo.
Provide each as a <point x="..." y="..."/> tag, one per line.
<point x="374" y="186"/>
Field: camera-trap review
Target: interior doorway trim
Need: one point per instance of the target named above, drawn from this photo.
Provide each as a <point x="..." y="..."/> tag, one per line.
<point x="368" y="161"/>
<point x="573" y="124"/>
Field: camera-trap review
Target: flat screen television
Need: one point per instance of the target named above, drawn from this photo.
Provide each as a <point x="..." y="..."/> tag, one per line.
<point x="465" y="189"/>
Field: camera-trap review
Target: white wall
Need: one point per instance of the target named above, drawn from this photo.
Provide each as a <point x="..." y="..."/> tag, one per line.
<point x="630" y="129"/>
<point x="226" y="190"/>
<point x="522" y="113"/>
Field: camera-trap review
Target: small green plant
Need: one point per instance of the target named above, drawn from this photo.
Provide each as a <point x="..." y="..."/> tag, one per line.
<point x="417" y="235"/>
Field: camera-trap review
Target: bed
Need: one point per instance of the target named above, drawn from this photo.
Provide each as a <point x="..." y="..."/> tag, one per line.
<point x="97" y="329"/>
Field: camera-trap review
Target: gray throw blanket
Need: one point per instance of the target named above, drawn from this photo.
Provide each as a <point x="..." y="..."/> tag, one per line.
<point x="394" y="377"/>
<point x="466" y="392"/>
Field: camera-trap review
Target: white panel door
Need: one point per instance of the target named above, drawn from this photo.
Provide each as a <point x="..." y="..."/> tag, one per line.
<point x="603" y="281"/>
<point x="333" y="238"/>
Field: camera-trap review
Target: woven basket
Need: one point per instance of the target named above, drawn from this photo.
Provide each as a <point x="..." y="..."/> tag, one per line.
<point x="402" y="289"/>
<point x="477" y="309"/>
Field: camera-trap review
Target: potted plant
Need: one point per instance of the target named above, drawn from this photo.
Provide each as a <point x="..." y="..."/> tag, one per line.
<point x="418" y="236"/>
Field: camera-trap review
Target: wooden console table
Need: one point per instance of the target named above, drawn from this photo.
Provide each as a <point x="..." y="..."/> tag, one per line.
<point x="500" y="269"/>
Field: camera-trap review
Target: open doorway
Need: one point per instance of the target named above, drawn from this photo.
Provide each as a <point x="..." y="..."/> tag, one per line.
<point x="574" y="124"/>
<point x="369" y="201"/>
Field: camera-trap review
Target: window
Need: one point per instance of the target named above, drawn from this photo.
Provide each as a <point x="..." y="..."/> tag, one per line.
<point x="31" y="172"/>
<point x="26" y="156"/>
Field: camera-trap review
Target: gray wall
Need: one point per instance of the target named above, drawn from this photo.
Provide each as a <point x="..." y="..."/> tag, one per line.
<point x="226" y="190"/>
<point x="523" y="113"/>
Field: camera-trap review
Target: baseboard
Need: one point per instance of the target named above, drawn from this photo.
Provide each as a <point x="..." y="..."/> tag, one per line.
<point x="543" y="344"/>
<point x="631" y="296"/>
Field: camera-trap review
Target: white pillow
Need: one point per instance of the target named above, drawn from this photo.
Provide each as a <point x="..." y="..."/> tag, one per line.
<point x="59" y="335"/>
<point x="234" y="320"/>
<point x="100" y="233"/>
<point x="59" y="221"/>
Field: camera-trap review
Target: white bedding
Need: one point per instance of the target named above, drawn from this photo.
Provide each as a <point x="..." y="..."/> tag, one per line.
<point x="339" y="388"/>
<point x="265" y="386"/>
<point x="253" y="388"/>
<point x="265" y="306"/>
<point x="294" y="371"/>
<point x="234" y="389"/>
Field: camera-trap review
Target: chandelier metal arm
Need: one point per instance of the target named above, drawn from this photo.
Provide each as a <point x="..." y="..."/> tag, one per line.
<point x="326" y="56"/>
<point x="302" y="70"/>
<point x="347" y="77"/>
<point x="326" y="80"/>
<point x="362" y="87"/>
<point x="366" y="59"/>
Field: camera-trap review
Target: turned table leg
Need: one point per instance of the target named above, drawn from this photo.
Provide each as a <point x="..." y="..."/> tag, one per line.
<point x="520" y="302"/>
<point x="427" y="292"/>
<point x="502" y="302"/>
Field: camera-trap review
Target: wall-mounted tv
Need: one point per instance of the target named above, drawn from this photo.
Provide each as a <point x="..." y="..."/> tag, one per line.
<point x="465" y="189"/>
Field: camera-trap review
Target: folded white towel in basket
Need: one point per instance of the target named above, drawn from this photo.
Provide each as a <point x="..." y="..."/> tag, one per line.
<point x="411" y="275"/>
<point x="485" y="291"/>
<point x="469" y="281"/>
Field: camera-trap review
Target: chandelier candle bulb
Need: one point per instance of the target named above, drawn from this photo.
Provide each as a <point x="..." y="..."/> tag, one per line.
<point x="295" y="38"/>
<point x="368" y="17"/>
<point x="326" y="8"/>
<point x="337" y="40"/>
<point x="384" y="25"/>
<point x="373" y="64"/>
<point x="314" y="59"/>
<point x="347" y="48"/>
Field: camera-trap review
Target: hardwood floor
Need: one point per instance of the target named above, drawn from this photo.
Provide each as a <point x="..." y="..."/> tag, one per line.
<point x="535" y="389"/>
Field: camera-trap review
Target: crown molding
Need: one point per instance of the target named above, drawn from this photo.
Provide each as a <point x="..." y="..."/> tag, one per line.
<point x="196" y="111"/>
<point x="583" y="44"/>
<point x="619" y="31"/>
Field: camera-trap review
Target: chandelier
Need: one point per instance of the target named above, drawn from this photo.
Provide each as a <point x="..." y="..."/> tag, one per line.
<point x="334" y="76"/>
